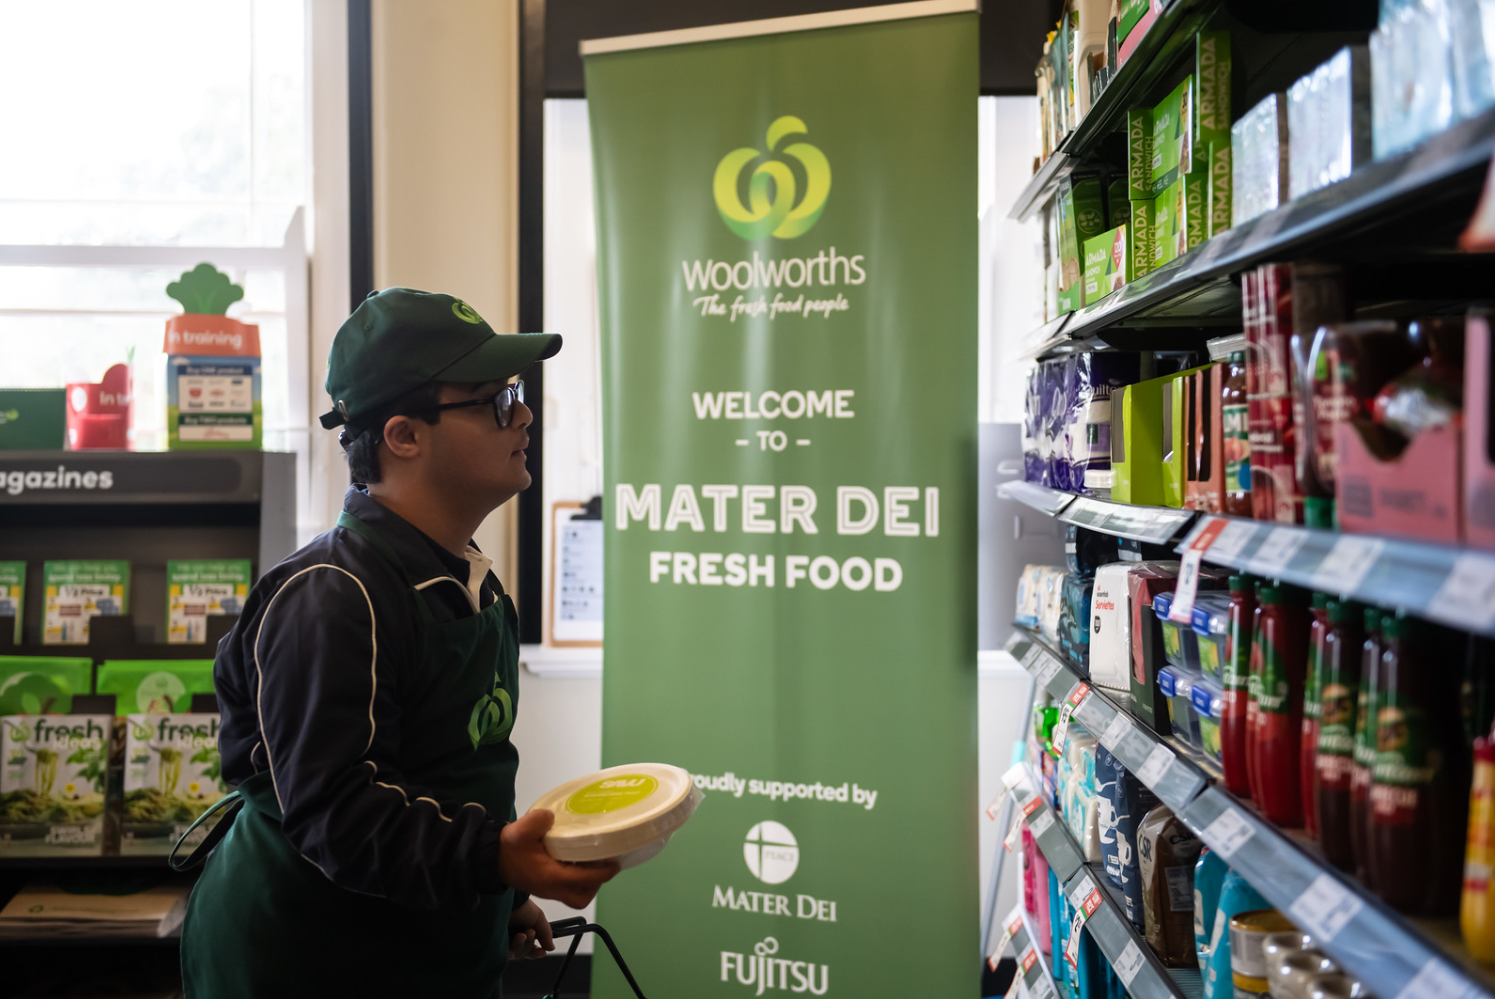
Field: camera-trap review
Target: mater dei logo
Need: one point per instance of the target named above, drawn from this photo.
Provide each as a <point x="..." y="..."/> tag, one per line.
<point x="775" y="205"/>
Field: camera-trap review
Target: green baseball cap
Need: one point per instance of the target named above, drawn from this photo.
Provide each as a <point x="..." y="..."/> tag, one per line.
<point x="399" y="339"/>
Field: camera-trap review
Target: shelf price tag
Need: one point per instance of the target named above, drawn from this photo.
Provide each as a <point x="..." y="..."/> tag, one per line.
<point x="1032" y="805"/>
<point x="1129" y="963"/>
<point x="1013" y="924"/>
<point x="1436" y="981"/>
<point x="1281" y="544"/>
<point x="1182" y="610"/>
<point x="1155" y="765"/>
<point x="1014" y="834"/>
<point x="1347" y="564"/>
<point x="1118" y="729"/>
<point x="1085" y="899"/>
<point x="1325" y="907"/>
<point x="1467" y="597"/>
<point x="1015" y="777"/>
<point x="1227" y="833"/>
<point x="1042" y="824"/>
<point x="1061" y="730"/>
<point x="1048" y="670"/>
<point x="1031" y="656"/>
<point x="1029" y="958"/>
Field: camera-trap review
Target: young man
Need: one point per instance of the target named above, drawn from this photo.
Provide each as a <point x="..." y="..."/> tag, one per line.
<point x="368" y="691"/>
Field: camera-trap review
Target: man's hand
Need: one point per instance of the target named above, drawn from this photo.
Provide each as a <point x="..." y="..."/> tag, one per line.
<point x="525" y="864"/>
<point x="529" y="933"/>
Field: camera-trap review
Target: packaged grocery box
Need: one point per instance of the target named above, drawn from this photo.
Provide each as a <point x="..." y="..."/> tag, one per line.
<point x="1139" y="154"/>
<point x="1082" y="216"/>
<point x="212" y="367"/>
<point x="1110" y="630"/>
<point x="1328" y="121"/>
<point x="53" y="772"/>
<point x="1412" y="72"/>
<point x="1137" y="443"/>
<point x="1108" y="264"/>
<point x="1118" y="205"/>
<point x="76" y="592"/>
<point x="1168" y="852"/>
<point x="1204" y="486"/>
<point x="1135" y="18"/>
<point x="1259" y="160"/>
<point x="155" y="686"/>
<point x="35" y="685"/>
<point x="1177" y="441"/>
<point x="13" y="594"/>
<point x="1172" y="136"/>
<point x="33" y="419"/>
<point x="1170" y="235"/>
<point x="1212" y="110"/>
<point x="1140" y="232"/>
<point x="173" y="774"/>
<point x="1479" y="432"/>
<point x="198" y="590"/>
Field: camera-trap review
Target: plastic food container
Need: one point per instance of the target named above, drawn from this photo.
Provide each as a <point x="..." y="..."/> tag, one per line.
<point x="1177" y="685"/>
<point x="1180" y="644"/>
<point x="624" y="813"/>
<point x="1211" y="625"/>
<point x="1208" y="697"/>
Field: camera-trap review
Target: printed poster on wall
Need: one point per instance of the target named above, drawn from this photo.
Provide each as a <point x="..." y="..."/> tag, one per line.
<point x="787" y="248"/>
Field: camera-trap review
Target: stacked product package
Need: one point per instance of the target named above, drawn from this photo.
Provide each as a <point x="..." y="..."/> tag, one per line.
<point x="1431" y="63"/>
<point x="1067" y="424"/>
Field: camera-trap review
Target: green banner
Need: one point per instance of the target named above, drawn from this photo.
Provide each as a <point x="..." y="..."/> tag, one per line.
<point x="787" y="251"/>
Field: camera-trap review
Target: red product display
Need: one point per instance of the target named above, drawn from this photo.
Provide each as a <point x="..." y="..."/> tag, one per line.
<point x="1339" y="691"/>
<point x="1279" y="655"/>
<point x="99" y="413"/>
<point x="1365" y="746"/>
<point x="1237" y="671"/>
<point x="1418" y="790"/>
<point x="1318" y="631"/>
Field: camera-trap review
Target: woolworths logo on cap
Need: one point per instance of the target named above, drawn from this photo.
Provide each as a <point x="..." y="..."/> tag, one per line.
<point x="775" y="207"/>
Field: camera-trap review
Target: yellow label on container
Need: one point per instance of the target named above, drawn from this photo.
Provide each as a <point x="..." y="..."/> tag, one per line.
<point x="612" y="794"/>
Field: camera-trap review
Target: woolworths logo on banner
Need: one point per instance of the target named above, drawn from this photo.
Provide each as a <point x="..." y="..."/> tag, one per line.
<point x="772" y="187"/>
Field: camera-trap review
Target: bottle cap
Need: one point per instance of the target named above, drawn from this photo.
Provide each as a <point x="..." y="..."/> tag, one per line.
<point x="1268" y="594"/>
<point x="1318" y="511"/>
<point x="1373" y="619"/>
<point x="1345" y="611"/>
<point x="1321" y="601"/>
<point x="1241" y="582"/>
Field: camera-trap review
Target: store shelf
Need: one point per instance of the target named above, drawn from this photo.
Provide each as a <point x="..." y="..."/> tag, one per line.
<point x="189" y="478"/>
<point x="1153" y="524"/>
<point x="1397" y="956"/>
<point x="1454" y="586"/>
<point x="1041" y="498"/>
<point x="1153" y="59"/>
<point x="1031" y="965"/>
<point x="1198" y="288"/>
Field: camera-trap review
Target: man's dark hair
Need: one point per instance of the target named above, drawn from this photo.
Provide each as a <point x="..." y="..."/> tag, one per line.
<point x="363" y="451"/>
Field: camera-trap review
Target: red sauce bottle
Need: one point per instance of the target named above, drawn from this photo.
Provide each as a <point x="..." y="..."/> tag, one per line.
<point x="1318" y="630"/>
<point x="1253" y="692"/>
<point x="1418" y="790"/>
<point x="1339" y="693"/>
<point x="1236" y="672"/>
<point x="1279" y="659"/>
<point x="1365" y="745"/>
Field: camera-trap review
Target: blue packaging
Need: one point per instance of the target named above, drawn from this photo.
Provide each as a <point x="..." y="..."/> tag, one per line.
<point x="1091" y="378"/>
<point x="1236" y="897"/>
<point x="1074" y="620"/>
<point x="1209" y="878"/>
<point x="1032" y="427"/>
<point x="1090" y="970"/>
<point x="1124" y="801"/>
<point x="1058" y="928"/>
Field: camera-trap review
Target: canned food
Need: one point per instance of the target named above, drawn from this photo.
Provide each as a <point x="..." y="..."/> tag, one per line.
<point x="1248" y="937"/>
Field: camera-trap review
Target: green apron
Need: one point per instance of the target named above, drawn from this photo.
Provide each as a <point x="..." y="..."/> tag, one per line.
<point x="264" y="921"/>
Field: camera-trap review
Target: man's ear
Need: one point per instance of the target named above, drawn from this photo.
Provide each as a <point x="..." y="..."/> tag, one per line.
<point x="401" y="437"/>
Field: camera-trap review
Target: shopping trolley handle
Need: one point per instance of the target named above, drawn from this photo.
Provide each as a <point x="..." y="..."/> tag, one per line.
<point x="576" y="927"/>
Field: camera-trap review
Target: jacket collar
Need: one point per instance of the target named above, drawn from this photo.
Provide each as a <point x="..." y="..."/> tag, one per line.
<point x="423" y="558"/>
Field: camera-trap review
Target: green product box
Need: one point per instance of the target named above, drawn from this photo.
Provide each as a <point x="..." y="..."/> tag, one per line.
<point x="1175" y="436"/>
<point x="1139" y="154"/>
<point x="155" y="686"/>
<point x="1139" y="232"/>
<point x="34" y="685"/>
<point x="1172" y="137"/>
<point x="1137" y="443"/>
<point x="1212" y="111"/>
<point x="1082" y="215"/>
<point x="76" y="592"/>
<point x="1169" y="226"/>
<point x="1128" y="14"/>
<point x="33" y="419"/>
<point x="172" y="774"/>
<point x="53" y="773"/>
<point x="1108" y="264"/>
<point x="13" y="593"/>
<point x="196" y="590"/>
<point x="1196" y="202"/>
<point x="1118" y="204"/>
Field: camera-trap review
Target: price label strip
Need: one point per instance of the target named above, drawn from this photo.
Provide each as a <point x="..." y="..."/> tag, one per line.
<point x="1182" y="610"/>
<point x="1281" y="544"/>
<point x="1325" y="908"/>
<point x="1467" y="597"/>
<point x="1031" y="656"/>
<point x="1118" y="729"/>
<point x="1156" y="765"/>
<point x="1129" y="963"/>
<point x="1042" y="824"/>
<point x="1436" y="981"/>
<point x="1347" y="564"/>
<point x="1015" y="777"/>
<point x="1013" y="924"/>
<point x="1227" y="833"/>
<point x="1014" y="834"/>
<point x="1061" y="730"/>
<point x="1047" y="670"/>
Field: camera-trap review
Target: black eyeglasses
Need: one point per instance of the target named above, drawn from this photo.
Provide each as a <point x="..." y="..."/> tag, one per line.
<point x="502" y="402"/>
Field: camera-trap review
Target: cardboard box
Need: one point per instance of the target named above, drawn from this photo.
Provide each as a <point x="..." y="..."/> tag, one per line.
<point x="1118" y="204"/>
<point x="1329" y="121"/>
<point x="54" y="770"/>
<point x="155" y="686"/>
<point x="1170" y="234"/>
<point x="33" y="419"/>
<point x="1082" y="216"/>
<point x="213" y="392"/>
<point x="1145" y="581"/>
<point x="78" y="591"/>
<point x="172" y="774"/>
<point x="33" y="685"/>
<point x="1479" y="432"/>
<point x="1139" y="232"/>
<point x="1139" y="154"/>
<point x="197" y="590"/>
<point x="13" y="594"/>
<point x="1108" y="264"/>
<point x="1221" y="181"/>
<point x="1204" y="487"/>
<point x="1176" y="436"/>
<point x="1212" y="68"/>
<point x="1137" y="443"/>
<point x="1259" y="160"/>
<point x="1173" y="136"/>
<point x="1142" y="17"/>
<point x="1417" y="494"/>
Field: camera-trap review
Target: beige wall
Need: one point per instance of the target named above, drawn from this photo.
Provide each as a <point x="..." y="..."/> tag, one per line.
<point x="446" y="181"/>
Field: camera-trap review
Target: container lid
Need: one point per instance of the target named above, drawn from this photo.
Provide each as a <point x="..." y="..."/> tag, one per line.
<point x="1162" y="604"/>
<point x="1167" y="681"/>
<point x="1318" y="511"/>
<point x="1211" y="614"/>
<point x="1396" y="627"/>
<point x="1269" y="594"/>
<point x="1345" y="611"/>
<point x="1208" y="697"/>
<point x="1373" y="617"/>
<point x="616" y="811"/>
<point x="1321" y="601"/>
